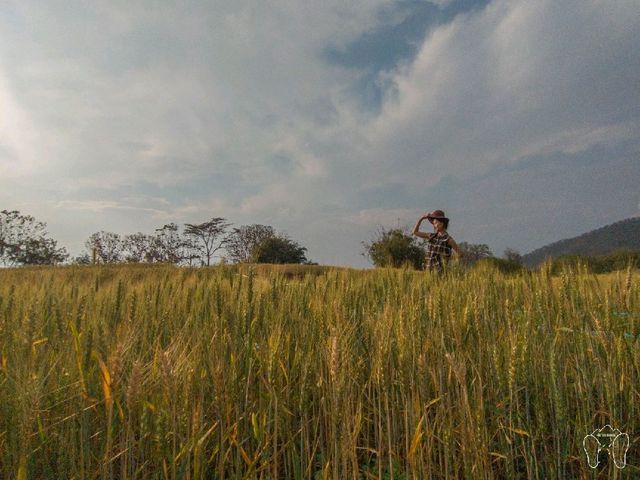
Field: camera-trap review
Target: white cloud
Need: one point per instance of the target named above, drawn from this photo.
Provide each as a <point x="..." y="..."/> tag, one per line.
<point x="20" y="139"/>
<point x="441" y="3"/>
<point x="518" y="79"/>
<point x="386" y="217"/>
<point x="97" y="206"/>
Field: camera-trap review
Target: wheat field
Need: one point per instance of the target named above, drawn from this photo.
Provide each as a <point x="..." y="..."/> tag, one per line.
<point x="256" y="372"/>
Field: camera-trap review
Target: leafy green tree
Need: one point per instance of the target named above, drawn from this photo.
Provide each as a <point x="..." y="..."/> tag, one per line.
<point x="24" y="241"/>
<point x="278" y="249"/>
<point x="393" y="248"/>
<point x="512" y="255"/>
<point x="83" y="259"/>
<point x="40" y="251"/>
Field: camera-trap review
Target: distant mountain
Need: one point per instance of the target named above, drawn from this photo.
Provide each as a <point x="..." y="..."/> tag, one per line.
<point x="624" y="234"/>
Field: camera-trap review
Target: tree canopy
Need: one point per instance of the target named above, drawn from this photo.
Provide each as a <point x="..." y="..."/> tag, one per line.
<point x="394" y="248"/>
<point x="25" y="241"/>
<point x="475" y="251"/>
<point x="242" y="240"/>
<point x="105" y="247"/>
<point x="278" y="249"/>
<point x="208" y="237"/>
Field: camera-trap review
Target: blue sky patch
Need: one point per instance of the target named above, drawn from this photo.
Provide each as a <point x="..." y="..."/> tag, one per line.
<point x="400" y="33"/>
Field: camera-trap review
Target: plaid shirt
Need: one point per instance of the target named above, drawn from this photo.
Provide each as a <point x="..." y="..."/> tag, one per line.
<point x="437" y="247"/>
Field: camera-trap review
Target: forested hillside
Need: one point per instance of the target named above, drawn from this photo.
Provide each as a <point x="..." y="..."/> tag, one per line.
<point x="624" y="234"/>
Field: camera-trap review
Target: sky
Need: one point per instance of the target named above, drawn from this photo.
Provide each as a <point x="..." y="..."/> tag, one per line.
<point x="327" y="120"/>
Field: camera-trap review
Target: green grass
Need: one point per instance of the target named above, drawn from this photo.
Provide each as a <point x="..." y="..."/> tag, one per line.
<point x="315" y="372"/>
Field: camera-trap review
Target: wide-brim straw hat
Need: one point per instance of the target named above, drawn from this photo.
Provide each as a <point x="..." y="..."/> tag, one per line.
<point x="436" y="214"/>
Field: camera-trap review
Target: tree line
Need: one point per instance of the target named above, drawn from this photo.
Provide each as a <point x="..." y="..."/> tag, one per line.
<point x="195" y="245"/>
<point x="25" y="241"/>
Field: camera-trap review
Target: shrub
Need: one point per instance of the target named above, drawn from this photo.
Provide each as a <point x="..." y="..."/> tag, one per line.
<point x="393" y="248"/>
<point x="278" y="249"/>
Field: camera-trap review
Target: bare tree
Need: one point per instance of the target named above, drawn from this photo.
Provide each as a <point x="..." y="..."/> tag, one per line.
<point x="242" y="241"/>
<point x="190" y="251"/>
<point x="166" y="245"/>
<point x="105" y="247"/>
<point x="475" y="251"/>
<point x="139" y="247"/>
<point x="208" y="237"/>
<point x="169" y="244"/>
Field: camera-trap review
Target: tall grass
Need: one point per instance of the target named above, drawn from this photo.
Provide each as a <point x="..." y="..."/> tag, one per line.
<point x="240" y="372"/>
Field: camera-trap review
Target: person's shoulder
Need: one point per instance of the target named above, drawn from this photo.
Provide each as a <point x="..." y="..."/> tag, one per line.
<point x="447" y="238"/>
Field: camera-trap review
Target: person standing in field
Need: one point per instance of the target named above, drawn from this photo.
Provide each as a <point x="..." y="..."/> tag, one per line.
<point x="439" y="243"/>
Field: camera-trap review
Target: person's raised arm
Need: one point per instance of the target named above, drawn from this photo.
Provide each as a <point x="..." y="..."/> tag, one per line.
<point x="416" y="229"/>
